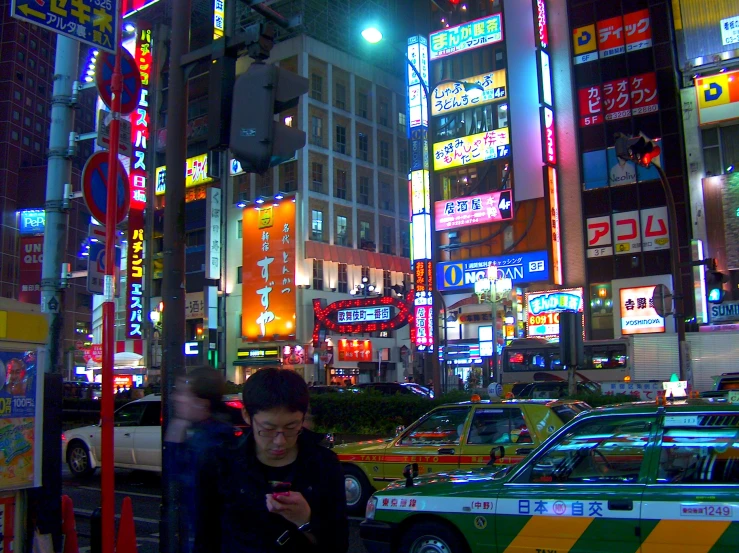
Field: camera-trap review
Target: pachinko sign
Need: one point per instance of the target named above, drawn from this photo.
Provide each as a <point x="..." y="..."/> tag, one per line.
<point x="471" y="149"/>
<point x="138" y="184"/>
<point x="268" y="286"/>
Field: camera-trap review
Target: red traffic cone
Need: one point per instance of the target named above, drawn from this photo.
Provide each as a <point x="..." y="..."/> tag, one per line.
<point x="69" y="526"/>
<point x="126" y="529"/>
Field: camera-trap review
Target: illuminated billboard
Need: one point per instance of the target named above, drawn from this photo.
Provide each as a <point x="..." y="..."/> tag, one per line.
<point x="471" y="149"/>
<point x="718" y="97"/>
<point x="268" y="269"/>
<point x="521" y="268"/>
<point x="467" y="36"/>
<point x="132" y="6"/>
<point x="452" y="96"/>
<point x="638" y="315"/>
<point x="612" y="37"/>
<point x="543" y="309"/>
<point x="473" y="210"/>
<point x="196" y="173"/>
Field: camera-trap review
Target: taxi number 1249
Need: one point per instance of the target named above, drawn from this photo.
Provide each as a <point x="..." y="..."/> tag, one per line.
<point x="711" y="511"/>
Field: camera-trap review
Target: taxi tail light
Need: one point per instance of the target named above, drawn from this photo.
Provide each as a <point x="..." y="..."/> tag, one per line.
<point x="235" y="404"/>
<point x="64" y="438"/>
<point x="475" y="398"/>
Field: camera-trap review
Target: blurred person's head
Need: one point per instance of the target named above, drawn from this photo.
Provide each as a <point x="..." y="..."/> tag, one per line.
<point x="199" y="394"/>
<point x="275" y="405"/>
<point x="16" y="371"/>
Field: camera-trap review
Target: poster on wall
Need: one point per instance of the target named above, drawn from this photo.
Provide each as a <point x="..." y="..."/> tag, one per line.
<point x="19" y="462"/>
<point x="601" y="168"/>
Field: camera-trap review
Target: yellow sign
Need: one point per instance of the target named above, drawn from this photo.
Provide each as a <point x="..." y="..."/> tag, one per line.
<point x="718" y="97"/>
<point x="196" y="173"/>
<point x="420" y="192"/>
<point x="266" y="217"/>
<point x="583" y="39"/>
<point x="453" y="96"/>
<point x="471" y="149"/>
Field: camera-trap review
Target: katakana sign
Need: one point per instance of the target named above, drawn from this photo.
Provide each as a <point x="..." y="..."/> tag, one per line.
<point x="89" y="21"/>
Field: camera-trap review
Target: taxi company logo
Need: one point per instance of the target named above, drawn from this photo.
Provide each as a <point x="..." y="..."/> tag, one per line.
<point x="559" y="508"/>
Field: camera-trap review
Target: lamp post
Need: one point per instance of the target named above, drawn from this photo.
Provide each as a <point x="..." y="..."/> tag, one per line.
<point x="364" y="288"/>
<point x="496" y="288"/>
<point x="373" y="35"/>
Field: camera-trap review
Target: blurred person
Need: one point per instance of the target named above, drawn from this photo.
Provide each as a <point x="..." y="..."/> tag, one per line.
<point x="275" y="489"/>
<point x="200" y="424"/>
<point x="15" y="377"/>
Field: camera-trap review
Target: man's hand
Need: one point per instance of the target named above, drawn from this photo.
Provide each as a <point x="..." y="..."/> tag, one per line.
<point x="293" y="507"/>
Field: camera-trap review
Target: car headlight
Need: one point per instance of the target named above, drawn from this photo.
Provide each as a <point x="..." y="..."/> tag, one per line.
<point x="369" y="512"/>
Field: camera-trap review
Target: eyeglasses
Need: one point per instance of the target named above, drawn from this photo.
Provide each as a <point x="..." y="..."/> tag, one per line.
<point x="269" y="433"/>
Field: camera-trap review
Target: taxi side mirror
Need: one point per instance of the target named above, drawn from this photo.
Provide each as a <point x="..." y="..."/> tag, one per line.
<point x="399" y="430"/>
<point x="410" y="472"/>
<point x="496" y="453"/>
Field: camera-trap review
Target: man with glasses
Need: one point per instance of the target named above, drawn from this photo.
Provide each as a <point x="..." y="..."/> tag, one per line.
<point x="276" y="489"/>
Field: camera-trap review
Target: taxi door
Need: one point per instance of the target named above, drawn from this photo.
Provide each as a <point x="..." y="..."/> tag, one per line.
<point x="582" y="493"/>
<point x="492" y="427"/>
<point x="433" y="442"/>
<point x="691" y="502"/>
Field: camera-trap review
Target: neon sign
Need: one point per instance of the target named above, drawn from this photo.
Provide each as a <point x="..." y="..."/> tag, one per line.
<point x="471" y="149"/>
<point x="474" y="210"/>
<point x="467" y="36"/>
<point x="544" y="309"/>
<point x="328" y="317"/>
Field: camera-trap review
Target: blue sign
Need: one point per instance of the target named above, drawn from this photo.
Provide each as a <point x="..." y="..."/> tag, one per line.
<point x="96" y="268"/>
<point x="519" y="267"/>
<point x="89" y="21"/>
<point x="31" y="221"/>
<point x="601" y="168"/>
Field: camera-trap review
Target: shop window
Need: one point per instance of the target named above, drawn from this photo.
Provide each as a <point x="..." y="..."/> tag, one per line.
<point x="362" y="105"/>
<point x="384" y="154"/>
<point x="401" y="122"/>
<point x="288" y="183"/>
<point x="316" y="131"/>
<point x="365" y="273"/>
<point x="386" y="196"/>
<point x="382" y="114"/>
<point x="364" y="231"/>
<point x="405" y="243"/>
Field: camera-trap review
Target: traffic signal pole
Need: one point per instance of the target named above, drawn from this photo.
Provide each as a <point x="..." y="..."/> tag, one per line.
<point x="173" y="282"/>
<point x="46" y="501"/>
<point x="107" y="477"/>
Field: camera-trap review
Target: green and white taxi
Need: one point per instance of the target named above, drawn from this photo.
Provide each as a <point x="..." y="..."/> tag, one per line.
<point x="453" y="436"/>
<point x="633" y="478"/>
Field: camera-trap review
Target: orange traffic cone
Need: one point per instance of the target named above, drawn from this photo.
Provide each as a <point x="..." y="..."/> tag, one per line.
<point x="69" y="526"/>
<point x="126" y="529"/>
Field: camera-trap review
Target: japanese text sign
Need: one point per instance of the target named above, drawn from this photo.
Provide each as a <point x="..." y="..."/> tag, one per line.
<point x="474" y="210"/>
<point x="268" y="289"/>
<point x="196" y="173"/>
<point x="584" y="44"/>
<point x="219" y="18"/>
<point x="418" y="64"/>
<point x="467" y="36"/>
<point x="644" y="98"/>
<point x="521" y="268"/>
<point x="31" y="260"/>
<point x="730" y="31"/>
<point x="718" y="97"/>
<point x="355" y="350"/>
<point x="638" y="315"/>
<point x="638" y="30"/>
<point x="89" y="21"/>
<point x="611" y="37"/>
<point x="452" y="96"/>
<point x="542" y="37"/>
<point x="628" y="232"/>
<point x="543" y="309"/>
<point x="364" y="314"/>
<point x="135" y="317"/>
<point x="591" y="105"/>
<point x="616" y="99"/>
<point x="471" y="149"/>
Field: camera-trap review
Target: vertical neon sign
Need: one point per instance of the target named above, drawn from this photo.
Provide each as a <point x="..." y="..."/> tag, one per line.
<point x="422" y="331"/>
<point x="137" y="179"/>
<point x="219" y="17"/>
<point x="549" y="137"/>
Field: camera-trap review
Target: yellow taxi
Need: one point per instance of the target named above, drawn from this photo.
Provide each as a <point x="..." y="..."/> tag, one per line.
<point x="453" y="436"/>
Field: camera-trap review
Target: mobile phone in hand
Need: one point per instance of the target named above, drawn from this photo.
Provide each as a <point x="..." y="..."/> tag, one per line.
<point x="280" y="488"/>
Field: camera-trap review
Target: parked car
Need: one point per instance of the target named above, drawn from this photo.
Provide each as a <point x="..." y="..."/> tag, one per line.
<point x="325" y="389"/>
<point x="77" y="389"/>
<point x="636" y="477"/>
<point x="392" y="388"/>
<point x="137" y="434"/>
<point x="555" y="389"/>
<point x="722" y="385"/>
<point x="452" y="436"/>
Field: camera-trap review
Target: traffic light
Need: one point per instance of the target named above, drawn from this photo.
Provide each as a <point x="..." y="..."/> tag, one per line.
<point x="641" y="149"/>
<point x="257" y="140"/>
<point x="715" y="284"/>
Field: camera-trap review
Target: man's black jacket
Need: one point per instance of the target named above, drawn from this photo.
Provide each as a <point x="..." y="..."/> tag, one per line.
<point x="233" y="511"/>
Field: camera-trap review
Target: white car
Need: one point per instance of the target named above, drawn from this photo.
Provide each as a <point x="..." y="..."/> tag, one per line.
<point x="137" y="437"/>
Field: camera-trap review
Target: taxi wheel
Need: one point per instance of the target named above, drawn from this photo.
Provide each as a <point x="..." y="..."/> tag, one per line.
<point x="432" y="537"/>
<point x="358" y="490"/>
<point x="78" y="459"/>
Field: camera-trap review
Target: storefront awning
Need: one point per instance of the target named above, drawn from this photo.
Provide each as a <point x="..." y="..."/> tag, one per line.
<point x="360" y="258"/>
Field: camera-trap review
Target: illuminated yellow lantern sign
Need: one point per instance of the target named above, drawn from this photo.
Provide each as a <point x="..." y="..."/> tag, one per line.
<point x="453" y="96"/>
<point x="471" y="149"/>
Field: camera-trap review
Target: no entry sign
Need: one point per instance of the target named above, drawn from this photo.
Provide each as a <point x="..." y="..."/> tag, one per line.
<point x="104" y="67"/>
<point x="95" y="187"/>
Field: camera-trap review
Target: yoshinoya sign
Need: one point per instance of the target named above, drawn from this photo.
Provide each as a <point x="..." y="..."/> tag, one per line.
<point x="725" y="312"/>
<point x="364" y="314"/>
<point x="473" y="210"/>
<point x="520" y="268"/>
<point x="638" y="315"/>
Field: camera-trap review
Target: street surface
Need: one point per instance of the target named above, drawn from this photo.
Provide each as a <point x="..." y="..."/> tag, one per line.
<point x="144" y="489"/>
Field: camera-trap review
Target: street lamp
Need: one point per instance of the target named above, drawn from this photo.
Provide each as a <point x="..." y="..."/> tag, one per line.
<point x="496" y="289"/>
<point x="364" y="288"/>
<point x="372" y="35"/>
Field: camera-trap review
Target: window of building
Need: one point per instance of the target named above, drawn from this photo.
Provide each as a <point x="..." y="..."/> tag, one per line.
<point x="363" y="146"/>
<point x="340" y="96"/>
<point x="402" y="158"/>
<point x="384" y="154"/>
<point x="340" y="145"/>
<point x="318" y="274"/>
<point x="387" y="283"/>
<point x="239" y="274"/>
<point x="33" y="44"/>
<point x="362" y="103"/>
<point x="365" y="274"/>
<point x="37" y="146"/>
<point x="364" y="190"/>
<point x="382" y="114"/>
<point x="316" y="225"/>
<point x="386" y="196"/>
<point x="720" y="149"/>
<point x="26" y="140"/>
<point x="17" y="94"/>
<point x="316" y="131"/>
<point x="30" y="82"/>
<point x="316" y="87"/>
<point x="387" y="239"/>
<point x="32" y="63"/>
<point x="343" y="278"/>
<point x="38" y="127"/>
<point x="341" y="226"/>
<point x="405" y="243"/>
<point x="39" y="108"/>
<point x="240" y="229"/>
<point x="340" y="184"/>
<point x="264" y="185"/>
<point x="365" y="235"/>
<point x="316" y="172"/>
<point x="27" y="121"/>
<point x="42" y="71"/>
<point x="44" y="53"/>
<point x="401" y="121"/>
<point x="14" y="135"/>
<point x="16" y="115"/>
<point x="22" y="37"/>
<point x="19" y="76"/>
<point x="289" y="180"/>
<point x="21" y="56"/>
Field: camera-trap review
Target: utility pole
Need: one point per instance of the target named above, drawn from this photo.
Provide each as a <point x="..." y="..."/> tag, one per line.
<point x="173" y="283"/>
<point x="58" y="173"/>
